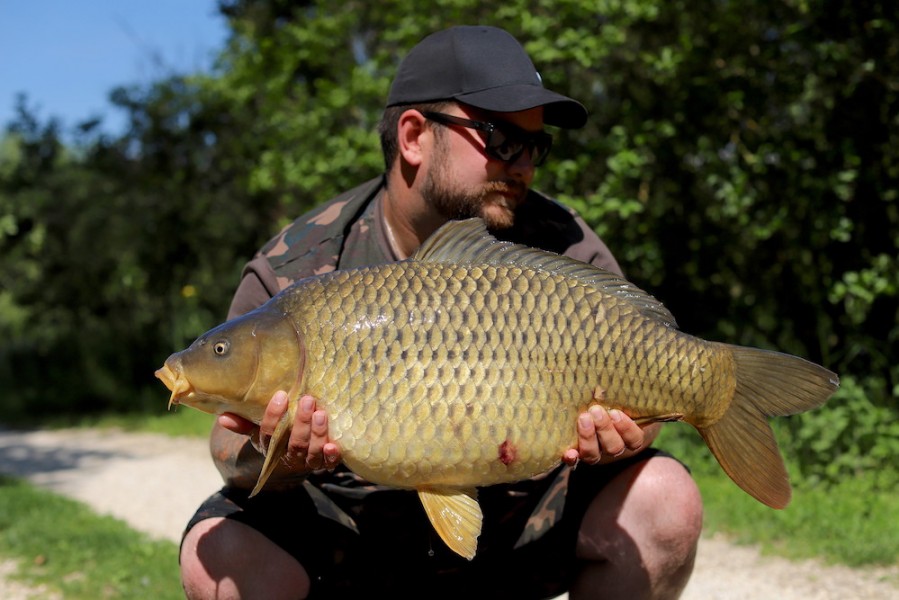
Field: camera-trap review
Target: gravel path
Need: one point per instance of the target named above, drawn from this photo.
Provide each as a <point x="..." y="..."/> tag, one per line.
<point x="154" y="483"/>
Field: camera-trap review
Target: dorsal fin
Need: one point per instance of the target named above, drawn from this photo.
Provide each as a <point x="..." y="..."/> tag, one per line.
<point x="469" y="243"/>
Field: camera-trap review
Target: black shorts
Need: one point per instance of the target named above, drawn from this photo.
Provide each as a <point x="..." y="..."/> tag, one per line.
<point x="397" y="552"/>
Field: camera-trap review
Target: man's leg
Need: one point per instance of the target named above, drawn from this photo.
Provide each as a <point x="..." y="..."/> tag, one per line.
<point x="226" y="559"/>
<point x="639" y="534"/>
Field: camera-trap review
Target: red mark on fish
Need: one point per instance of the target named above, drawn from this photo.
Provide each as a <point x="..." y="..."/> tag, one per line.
<point x="507" y="452"/>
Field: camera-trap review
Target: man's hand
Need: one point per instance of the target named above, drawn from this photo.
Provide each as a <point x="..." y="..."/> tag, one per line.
<point x="605" y="436"/>
<point x="308" y="447"/>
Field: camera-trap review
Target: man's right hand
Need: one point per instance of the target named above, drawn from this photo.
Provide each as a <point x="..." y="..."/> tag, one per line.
<point x="308" y="447"/>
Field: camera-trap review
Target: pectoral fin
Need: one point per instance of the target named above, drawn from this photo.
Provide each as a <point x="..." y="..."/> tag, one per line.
<point x="456" y="516"/>
<point x="277" y="446"/>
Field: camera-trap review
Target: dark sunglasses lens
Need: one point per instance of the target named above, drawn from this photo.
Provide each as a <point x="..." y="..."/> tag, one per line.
<point x="508" y="148"/>
<point x="540" y="149"/>
<point x="502" y="146"/>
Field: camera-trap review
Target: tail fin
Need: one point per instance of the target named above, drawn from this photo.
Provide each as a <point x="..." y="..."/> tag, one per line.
<point x="768" y="384"/>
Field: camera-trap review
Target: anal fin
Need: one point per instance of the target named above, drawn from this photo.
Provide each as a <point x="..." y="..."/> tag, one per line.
<point x="666" y="418"/>
<point x="456" y="517"/>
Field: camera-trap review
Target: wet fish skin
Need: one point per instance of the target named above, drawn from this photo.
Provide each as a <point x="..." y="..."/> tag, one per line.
<point x="468" y="364"/>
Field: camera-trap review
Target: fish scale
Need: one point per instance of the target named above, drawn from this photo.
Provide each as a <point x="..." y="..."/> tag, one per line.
<point x="468" y="364"/>
<point x="434" y="370"/>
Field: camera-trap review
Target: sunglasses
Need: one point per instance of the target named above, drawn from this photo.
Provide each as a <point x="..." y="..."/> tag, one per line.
<point x="505" y="142"/>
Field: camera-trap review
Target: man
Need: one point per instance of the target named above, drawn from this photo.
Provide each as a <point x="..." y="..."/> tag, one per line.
<point x="461" y="136"/>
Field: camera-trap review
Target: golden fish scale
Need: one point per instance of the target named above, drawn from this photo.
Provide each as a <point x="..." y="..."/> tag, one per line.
<point x="442" y="374"/>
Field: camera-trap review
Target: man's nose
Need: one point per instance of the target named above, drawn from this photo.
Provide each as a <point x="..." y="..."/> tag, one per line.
<point x="522" y="168"/>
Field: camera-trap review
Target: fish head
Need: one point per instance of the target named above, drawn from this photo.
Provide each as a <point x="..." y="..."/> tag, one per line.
<point x="237" y="366"/>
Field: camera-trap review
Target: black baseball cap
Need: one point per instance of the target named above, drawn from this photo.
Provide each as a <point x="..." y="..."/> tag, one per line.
<point x="484" y="67"/>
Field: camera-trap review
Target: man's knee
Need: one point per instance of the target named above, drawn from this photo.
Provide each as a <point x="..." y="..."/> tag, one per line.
<point x="225" y="559"/>
<point x="652" y="504"/>
<point x="674" y="505"/>
<point x="639" y="536"/>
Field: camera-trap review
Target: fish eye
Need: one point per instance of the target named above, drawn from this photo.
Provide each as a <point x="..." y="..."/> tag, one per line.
<point x="221" y="347"/>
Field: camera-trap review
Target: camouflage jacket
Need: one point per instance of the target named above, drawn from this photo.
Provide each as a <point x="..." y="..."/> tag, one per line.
<point x="347" y="232"/>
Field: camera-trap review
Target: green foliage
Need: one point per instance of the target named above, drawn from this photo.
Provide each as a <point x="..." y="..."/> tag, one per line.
<point x="848" y="523"/>
<point x="850" y="520"/>
<point x="177" y="422"/>
<point x="741" y="160"/>
<point x="82" y="556"/>
<point x="119" y="252"/>
<point x="854" y="435"/>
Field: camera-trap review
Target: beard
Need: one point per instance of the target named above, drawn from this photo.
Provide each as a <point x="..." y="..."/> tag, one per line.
<point x="494" y="201"/>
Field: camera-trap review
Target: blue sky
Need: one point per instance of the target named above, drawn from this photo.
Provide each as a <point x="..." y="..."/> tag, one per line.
<point x="67" y="55"/>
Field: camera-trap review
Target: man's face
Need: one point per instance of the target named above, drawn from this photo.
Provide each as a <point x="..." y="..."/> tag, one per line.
<point x="461" y="181"/>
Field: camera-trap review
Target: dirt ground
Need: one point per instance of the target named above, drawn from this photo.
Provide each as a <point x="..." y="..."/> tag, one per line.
<point x="154" y="483"/>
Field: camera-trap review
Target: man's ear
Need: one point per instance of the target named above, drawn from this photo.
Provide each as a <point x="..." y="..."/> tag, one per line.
<point x="413" y="137"/>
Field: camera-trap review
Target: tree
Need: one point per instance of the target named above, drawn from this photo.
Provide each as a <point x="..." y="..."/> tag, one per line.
<point x="740" y="160"/>
<point x="120" y="250"/>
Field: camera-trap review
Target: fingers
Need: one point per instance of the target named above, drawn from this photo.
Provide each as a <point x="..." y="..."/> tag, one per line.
<point x="274" y="412"/>
<point x="570" y="457"/>
<point x="609" y="437"/>
<point x="631" y="434"/>
<point x="588" y="448"/>
<point x="605" y="434"/>
<point x="237" y="424"/>
<point x="316" y="442"/>
<point x="332" y="455"/>
<point x="300" y="440"/>
<point x="309" y="447"/>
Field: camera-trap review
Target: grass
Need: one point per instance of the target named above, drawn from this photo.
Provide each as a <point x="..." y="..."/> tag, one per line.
<point x="838" y="524"/>
<point x="852" y="523"/>
<point x="60" y="543"/>
<point x="179" y="422"/>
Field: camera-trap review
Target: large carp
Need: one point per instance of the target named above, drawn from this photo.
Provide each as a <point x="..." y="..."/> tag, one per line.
<point x="467" y="365"/>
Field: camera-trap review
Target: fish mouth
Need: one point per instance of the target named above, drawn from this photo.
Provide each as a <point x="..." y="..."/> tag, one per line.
<point x="176" y="382"/>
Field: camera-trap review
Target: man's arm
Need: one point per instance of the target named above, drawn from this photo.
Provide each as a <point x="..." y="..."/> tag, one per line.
<point x="235" y="457"/>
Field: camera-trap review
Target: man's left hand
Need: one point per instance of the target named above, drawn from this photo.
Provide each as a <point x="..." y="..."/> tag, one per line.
<point x="606" y="435"/>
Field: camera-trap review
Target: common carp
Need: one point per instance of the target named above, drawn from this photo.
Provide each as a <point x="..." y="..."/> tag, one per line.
<point x="467" y="365"/>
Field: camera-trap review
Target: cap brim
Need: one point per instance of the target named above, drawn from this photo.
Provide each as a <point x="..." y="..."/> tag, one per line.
<point x="559" y="110"/>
